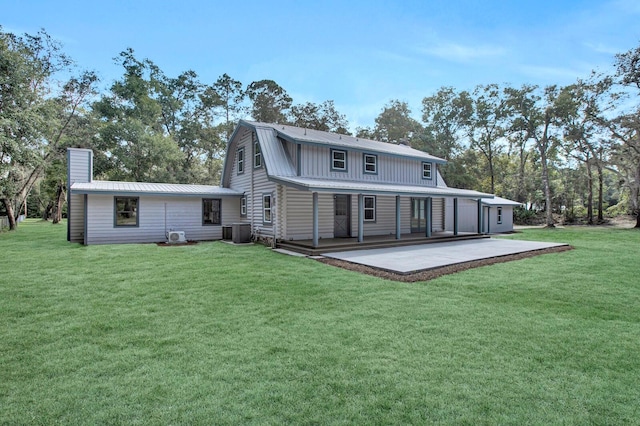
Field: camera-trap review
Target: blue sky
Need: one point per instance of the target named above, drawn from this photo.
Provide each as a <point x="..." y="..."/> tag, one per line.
<point x="360" y="54"/>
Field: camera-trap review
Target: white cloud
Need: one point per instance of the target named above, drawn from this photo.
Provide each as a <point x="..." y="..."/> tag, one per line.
<point x="461" y="53"/>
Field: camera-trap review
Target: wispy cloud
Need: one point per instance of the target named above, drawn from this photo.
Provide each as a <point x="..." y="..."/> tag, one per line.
<point x="555" y="74"/>
<point x="602" y="48"/>
<point x="461" y="53"/>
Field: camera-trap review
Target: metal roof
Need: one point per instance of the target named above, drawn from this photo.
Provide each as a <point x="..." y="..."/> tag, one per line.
<point x="499" y="201"/>
<point x="276" y="158"/>
<point x="317" y="137"/>
<point x="144" y="188"/>
<point x="337" y="186"/>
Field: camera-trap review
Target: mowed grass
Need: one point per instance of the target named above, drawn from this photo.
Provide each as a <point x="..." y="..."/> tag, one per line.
<point x="219" y="334"/>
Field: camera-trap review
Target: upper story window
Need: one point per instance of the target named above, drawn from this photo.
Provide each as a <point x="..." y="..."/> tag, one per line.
<point x="240" y="161"/>
<point x="369" y="208"/>
<point x="126" y="211"/>
<point x="257" y="153"/>
<point x="426" y="170"/>
<point x="370" y="164"/>
<point x="499" y="215"/>
<point x="211" y="211"/>
<point x="338" y="160"/>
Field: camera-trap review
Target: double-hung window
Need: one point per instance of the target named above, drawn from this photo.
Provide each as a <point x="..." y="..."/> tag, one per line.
<point x="125" y="211"/>
<point x="369" y="208"/>
<point x="266" y="209"/>
<point x="257" y="154"/>
<point x="499" y="215"/>
<point x="211" y="211"/>
<point x="240" y="161"/>
<point x="370" y="163"/>
<point x="426" y="170"/>
<point x="338" y="160"/>
<point x="243" y="206"/>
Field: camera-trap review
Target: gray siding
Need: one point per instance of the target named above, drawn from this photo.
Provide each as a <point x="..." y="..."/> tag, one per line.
<point x="182" y="214"/>
<point x="491" y="218"/>
<point x="316" y="163"/>
<point x="385" y="223"/>
<point x="467" y="215"/>
<point x="438" y="213"/>
<point x="79" y="169"/>
<point x="298" y="207"/>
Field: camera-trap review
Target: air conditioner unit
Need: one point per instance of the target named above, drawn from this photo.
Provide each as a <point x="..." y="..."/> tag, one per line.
<point x="176" y="237"/>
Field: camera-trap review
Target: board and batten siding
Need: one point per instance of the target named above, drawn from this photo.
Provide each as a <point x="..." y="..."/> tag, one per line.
<point x="181" y="213"/>
<point x="298" y="206"/>
<point x="80" y="169"/>
<point x="316" y="163"/>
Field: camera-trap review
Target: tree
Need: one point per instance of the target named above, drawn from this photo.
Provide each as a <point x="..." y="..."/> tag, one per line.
<point x="487" y="125"/>
<point x="395" y="124"/>
<point x="446" y="116"/>
<point x="538" y="118"/>
<point x="270" y="103"/>
<point x="322" y="117"/>
<point x="231" y="97"/>
<point x="33" y="117"/>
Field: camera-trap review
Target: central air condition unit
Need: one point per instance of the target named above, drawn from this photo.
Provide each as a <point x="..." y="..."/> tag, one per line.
<point x="176" y="237"/>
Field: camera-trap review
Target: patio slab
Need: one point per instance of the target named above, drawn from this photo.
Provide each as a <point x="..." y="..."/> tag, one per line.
<point x="410" y="259"/>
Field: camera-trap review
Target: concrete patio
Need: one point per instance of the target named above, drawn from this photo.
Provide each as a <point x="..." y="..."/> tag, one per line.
<point x="411" y="259"/>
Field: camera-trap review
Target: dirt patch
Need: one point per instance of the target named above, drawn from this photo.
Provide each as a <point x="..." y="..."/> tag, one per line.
<point x="188" y="243"/>
<point x="430" y="274"/>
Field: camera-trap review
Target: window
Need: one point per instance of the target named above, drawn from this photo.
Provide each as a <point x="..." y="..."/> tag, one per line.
<point x="126" y="211"/>
<point x="266" y="208"/>
<point x="211" y="211"/>
<point x="426" y="170"/>
<point x="370" y="164"/>
<point x="257" y="153"/>
<point x="243" y="206"/>
<point x="241" y="161"/>
<point x="338" y="160"/>
<point x="369" y="208"/>
<point x="499" y="215"/>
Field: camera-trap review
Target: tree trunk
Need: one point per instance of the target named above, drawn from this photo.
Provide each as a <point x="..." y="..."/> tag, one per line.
<point x="10" y="214"/>
<point x="57" y="209"/>
<point x="47" y="211"/>
<point x="590" y="193"/>
<point x="600" y="194"/>
<point x="547" y="187"/>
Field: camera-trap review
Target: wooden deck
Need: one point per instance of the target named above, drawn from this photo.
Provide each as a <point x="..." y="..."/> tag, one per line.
<point x="327" y="245"/>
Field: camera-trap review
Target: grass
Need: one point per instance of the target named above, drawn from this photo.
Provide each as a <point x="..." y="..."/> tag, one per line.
<point x="212" y="333"/>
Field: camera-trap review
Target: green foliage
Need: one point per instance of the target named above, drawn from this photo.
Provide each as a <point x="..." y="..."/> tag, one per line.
<point x="523" y="216"/>
<point x="322" y="117"/>
<point x="270" y="103"/>
<point x="234" y="335"/>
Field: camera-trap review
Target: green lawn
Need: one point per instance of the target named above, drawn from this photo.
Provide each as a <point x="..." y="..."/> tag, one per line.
<point x="217" y="334"/>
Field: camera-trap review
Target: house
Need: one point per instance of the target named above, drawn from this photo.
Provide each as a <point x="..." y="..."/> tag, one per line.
<point x="287" y="184"/>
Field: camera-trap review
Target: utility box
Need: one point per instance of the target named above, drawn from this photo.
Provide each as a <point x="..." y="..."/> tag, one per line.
<point x="227" y="232"/>
<point x="241" y="233"/>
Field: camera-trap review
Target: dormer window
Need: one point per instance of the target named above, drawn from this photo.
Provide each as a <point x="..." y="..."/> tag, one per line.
<point x="370" y="164"/>
<point x="257" y="153"/>
<point x="338" y="160"/>
<point x="426" y="171"/>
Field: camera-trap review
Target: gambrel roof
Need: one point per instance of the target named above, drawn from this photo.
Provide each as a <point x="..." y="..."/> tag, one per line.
<point x="280" y="168"/>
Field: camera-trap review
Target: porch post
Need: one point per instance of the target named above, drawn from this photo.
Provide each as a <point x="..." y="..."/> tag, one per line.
<point x="360" y="218"/>
<point x="455" y="216"/>
<point x="397" y="217"/>
<point x="315" y="220"/>
<point x="427" y="216"/>
<point x="480" y="222"/>
<point x="488" y="220"/>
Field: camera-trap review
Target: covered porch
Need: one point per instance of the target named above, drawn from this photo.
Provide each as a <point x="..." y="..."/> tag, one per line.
<point x="326" y="245"/>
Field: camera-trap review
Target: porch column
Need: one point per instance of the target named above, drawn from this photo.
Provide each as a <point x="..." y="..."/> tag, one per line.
<point x="315" y="220"/>
<point x="488" y="220"/>
<point x="397" y="217"/>
<point x="360" y="218"/>
<point x="427" y="216"/>
<point x="480" y="222"/>
<point x="455" y="216"/>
